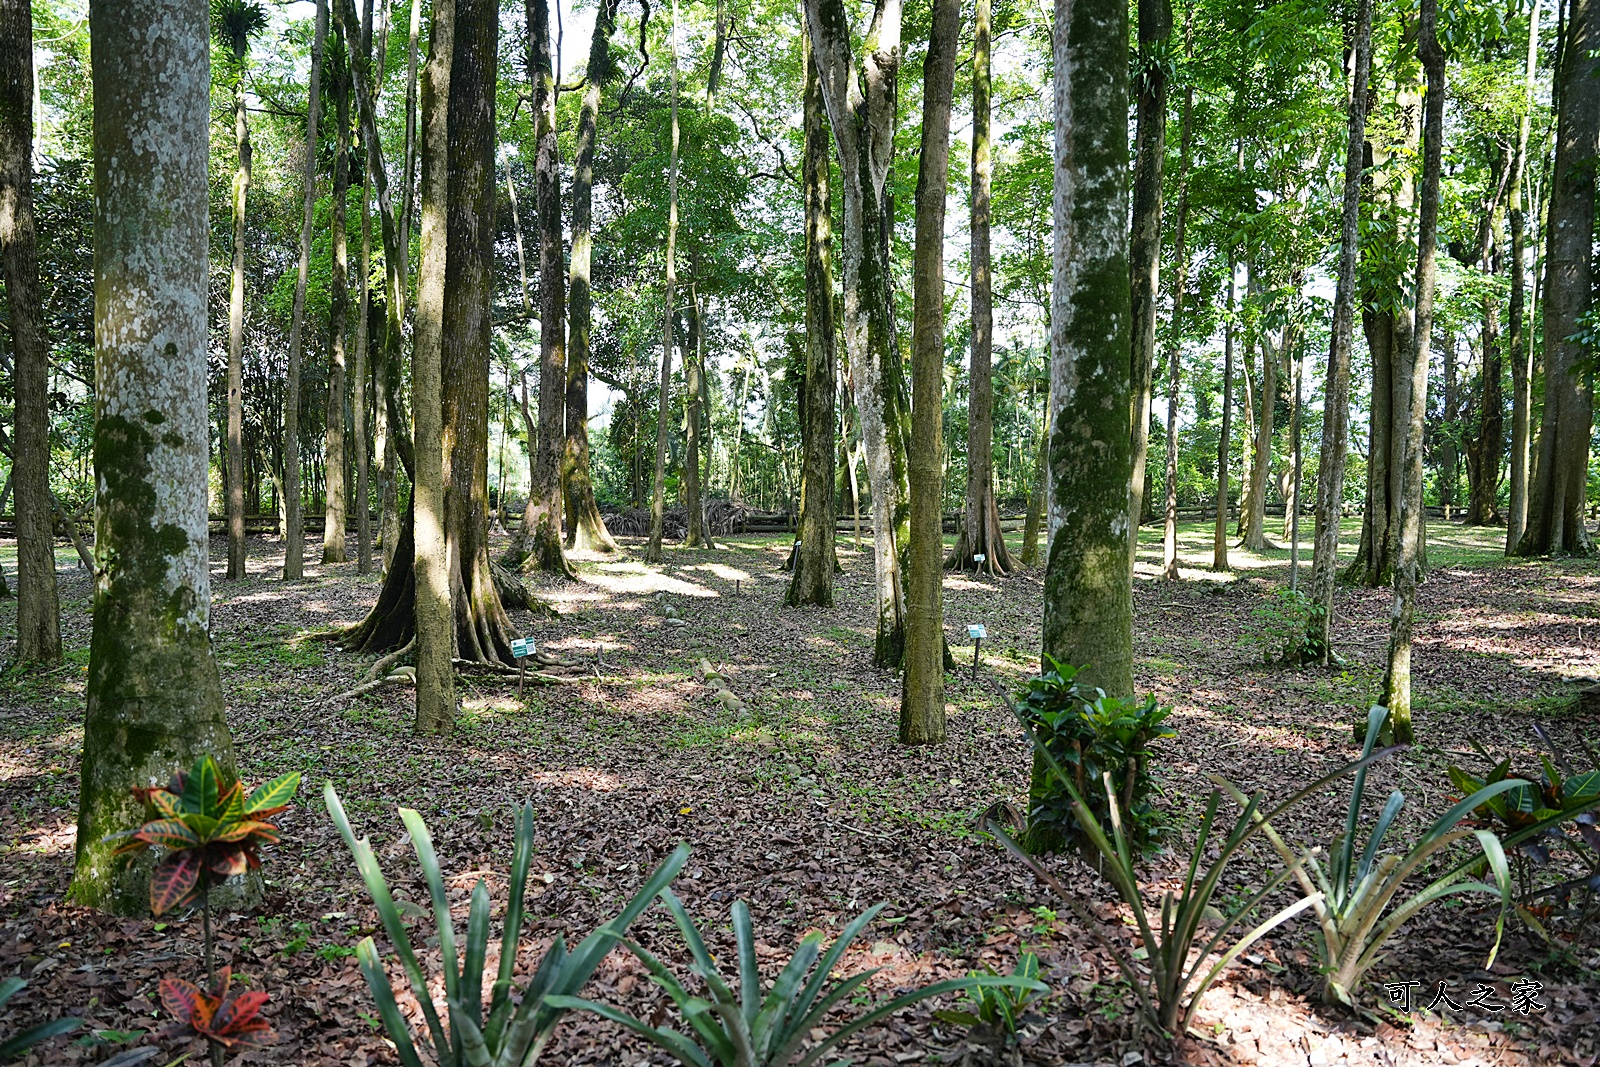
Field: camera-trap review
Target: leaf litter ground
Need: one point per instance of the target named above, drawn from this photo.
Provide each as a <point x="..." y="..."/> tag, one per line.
<point x="804" y="805"/>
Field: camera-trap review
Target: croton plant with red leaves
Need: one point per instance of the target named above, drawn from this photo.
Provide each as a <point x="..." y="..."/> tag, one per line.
<point x="233" y="1021"/>
<point x="210" y="828"/>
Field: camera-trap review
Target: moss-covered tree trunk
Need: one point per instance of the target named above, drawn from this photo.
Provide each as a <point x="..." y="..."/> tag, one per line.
<point x="539" y="545"/>
<point x="1412" y="410"/>
<point x="1519" y="339"/>
<point x="1144" y="251"/>
<point x="294" y="527"/>
<point x="1088" y="599"/>
<point x="586" y="530"/>
<point x="861" y="110"/>
<point x="432" y="609"/>
<point x="658" y="485"/>
<point x="1560" y="482"/>
<point x="38" y="608"/>
<point x="922" y="718"/>
<point x="980" y="533"/>
<point x="1336" y="391"/>
<point x="154" y="697"/>
<point x="814" y="566"/>
<point x="333" y="524"/>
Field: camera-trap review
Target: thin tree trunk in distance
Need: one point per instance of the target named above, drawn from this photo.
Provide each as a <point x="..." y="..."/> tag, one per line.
<point x="695" y="533"/>
<point x="1255" y="530"/>
<point x="1169" y="533"/>
<point x="1155" y="26"/>
<point x="586" y="530"/>
<point x="541" y="549"/>
<point x="1088" y="593"/>
<point x="38" y="608"/>
<point x="294" y="530"/>
<point x="980" y="533"/>
<point x="1414" y="404"/>
<point x="236" y="316"/>
<point x="360" y="371"/>
<point x="1559" y="483"/>
<point x="1219" y="535"/>
<point x="922" y="717"/>
<point x="436" y="698"/>
<point x="154" y="696"/>
<point x="1035" y="514"/>
<point x="1518" y="338"/>
<point x="333" y="526"/>
<point x="658" y="487"/>
<point x="1336" y="392"/>
<point x="813" y="573"/>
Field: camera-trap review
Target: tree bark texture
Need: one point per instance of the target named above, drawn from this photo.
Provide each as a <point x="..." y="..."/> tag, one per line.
<point x="154" y="696"/>
<point x="38" y="608"/>
<point x="1559" y="483"/>
<point x="1219" y="534"/>
<point x="1519" y="340"/>
<point x="1255" y="527"/>
<point x="980" y="533"/>
<point x="658" y="487"/>
<point x="1088" y="602"/>
<point x="695" y="533"/>
<point x="922" y="717"/>
<point x="333" y="524"/>
<point x="1169" y="533"/>
<point x="1336" y="392"/>
<point x="236" y="318"/>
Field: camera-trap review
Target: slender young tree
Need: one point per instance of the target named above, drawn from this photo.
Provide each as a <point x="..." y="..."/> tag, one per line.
<point x="658" y="487"/>
<point x="154" y="695"/>
<point x="922" y="720"/>
<point x="586" y="530"/>
<point x="1088" y="599"/>
<point x="980" y="529"/>
<point x="540" y="547"/>
<point x="1414" y="377"/>
<point x="1155" y="27"/>
<point x="434" y="617"/>
<point x="333" y="525"/>
<point x="1254" y="513"/>
<point x="1219" y="534"/>
<point x="1169" y="535"/>
<point x="294" y="528"/>
<point x="696" y="534"/>
<point x="234" y="23"/>
<point x="360" y="364"/>
<point x="814" y="565"/>
<point x="1557" y="490"/>
<point x="1519" y="342"/>
<point x="38" y="609"/>
<point x="1336" y="392"/>
<point x="861" y="114"/>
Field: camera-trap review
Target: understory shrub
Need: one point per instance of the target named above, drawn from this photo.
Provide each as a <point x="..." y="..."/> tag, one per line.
<point x="1285" y="632"/>
<point x="1090" y="735"/>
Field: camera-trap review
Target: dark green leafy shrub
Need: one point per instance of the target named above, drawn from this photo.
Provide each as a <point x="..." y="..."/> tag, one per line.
<point x="999" y="1010"/>
<point x="1286" y="630"/>
<point x="1090" y="735"/>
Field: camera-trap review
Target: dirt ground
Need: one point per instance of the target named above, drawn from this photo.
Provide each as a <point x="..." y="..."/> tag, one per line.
<point x="807" y="808"/>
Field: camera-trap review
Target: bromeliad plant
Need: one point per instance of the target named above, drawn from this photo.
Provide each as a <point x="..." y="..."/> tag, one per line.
<point x="1361" y="900"/>
<point x="999" y="1010"/>
<point x="516" y="1029"/>
<point x="1170" y="982"/>
<point x="209" y="828"/>
<point x="745" y="1029"/>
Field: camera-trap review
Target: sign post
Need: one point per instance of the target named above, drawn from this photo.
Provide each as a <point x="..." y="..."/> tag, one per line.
<point x="977" y="632"/>
<point x="521" y="647"/>
<point x="978" y="560"/>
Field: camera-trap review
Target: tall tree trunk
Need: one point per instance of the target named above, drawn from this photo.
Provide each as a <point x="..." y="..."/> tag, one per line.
<point x="1255" y="530"/>
<point x="1169" y="538"/>
<point x="813" y="573"/>
<point x="541" y="549"/>
<point x="695" y="535"/>
<point x="1412" y="408"/>
<point x="236" y="316"/>
<point x="294" y="530"/>
<point x="1155" y="26"/>
<point x="38" y="609"/>
<point x="1219" y="536"/>
<point x="980" y="533"/>
<point x="861" y="115"/>
<point x="586" y="530"/>
<point x="1559" y="484"/>
<point x="658" y="487"/>
<point x="1519" y="340"/>
<point x="922" y="719"/>
<point x="1088" y="602"/>
<point x="360" y="368"/>
<point x="433" y="603"/>
<point x="1485" y="448"/>
<point x="1336" y="392"/>
<point x="154" y="696"/>
<point x="1036" y="496"/>
<point x="333" y="524"/>
<point x="1449" y="436"/>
